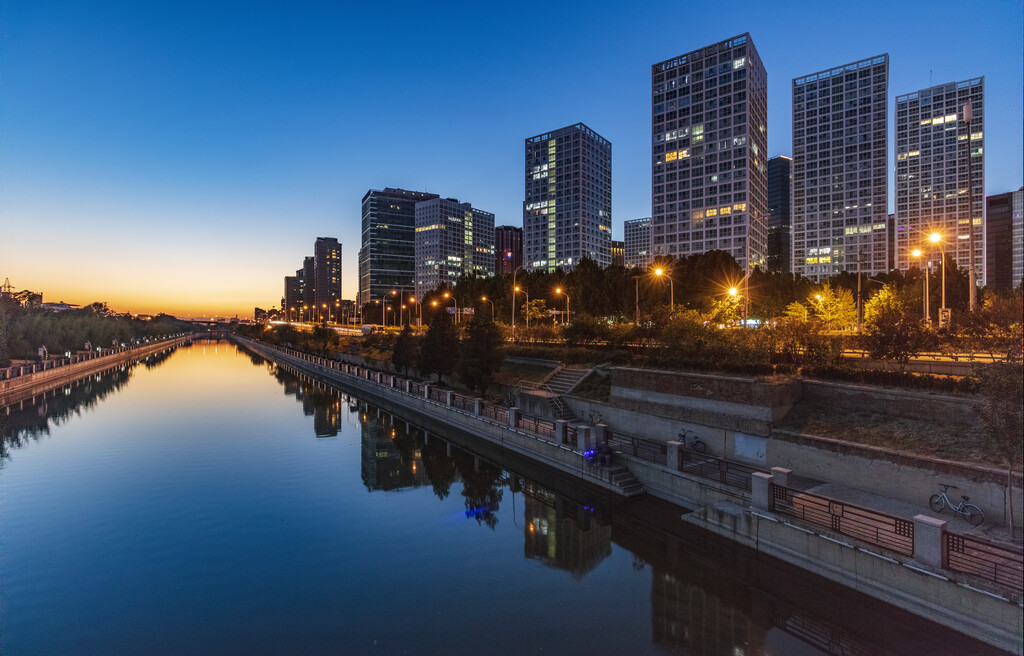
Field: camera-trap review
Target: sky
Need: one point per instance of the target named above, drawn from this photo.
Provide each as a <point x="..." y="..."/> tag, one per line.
<point x="183" y="156"/>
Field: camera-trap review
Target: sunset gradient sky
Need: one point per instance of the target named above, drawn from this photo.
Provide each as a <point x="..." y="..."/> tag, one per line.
<point x="184" y="156"/>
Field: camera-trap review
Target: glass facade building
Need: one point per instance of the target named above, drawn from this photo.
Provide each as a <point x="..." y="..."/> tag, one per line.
<point x="709" y="117"/>
<point x="780" y="214"/>
<point x="840" y="174"/>
<point x="567" y="211"/>
<point x="637" y="243"/>
<point x="387" y="253"/>
<point x="452" y="239"/>
<point x="932" y="143"/>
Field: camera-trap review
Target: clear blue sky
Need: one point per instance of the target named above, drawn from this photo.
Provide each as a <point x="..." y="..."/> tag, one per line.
<point x="185" y="155"/>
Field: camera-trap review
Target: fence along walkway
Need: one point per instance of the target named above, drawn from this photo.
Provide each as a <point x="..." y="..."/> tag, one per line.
<point x="1000" y="563"/>
<point x="893" y="533"/>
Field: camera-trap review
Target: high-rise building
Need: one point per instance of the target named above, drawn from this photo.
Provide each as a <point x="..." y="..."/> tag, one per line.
<point x="709" y="160"/>
<point x="637" y="243"/>
<point x="1003" y="240"/>
<point x="932" y="143"/>
<point x="387" y="253"/>
<point x="452" y="239"/>
<point x="567" y="211"/>
<point x="780" y="214"/>
<point x="308" y="280"/>
<point x="292" y="301"/>
<point x="327" y="269"/>
<point x="840" y="175"/>
<point x="618" y="253"/>
<point x="508" y="250"/>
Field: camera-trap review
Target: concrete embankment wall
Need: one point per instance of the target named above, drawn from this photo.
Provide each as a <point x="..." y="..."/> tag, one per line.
<point x="25" y="387"/>
<point x="715" y="408"/>
<point x="897" y="581"/>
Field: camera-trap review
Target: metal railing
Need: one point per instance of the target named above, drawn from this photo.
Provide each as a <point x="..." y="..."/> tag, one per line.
<point x="893" y="533"/>
<point x="639" y="447"/>
<point x="1002" y="564"/>
<point x="536" y="425"/>
<point x="462" y="402"/>
<point x="715" y="469"/>
<point x="570" y="435"/>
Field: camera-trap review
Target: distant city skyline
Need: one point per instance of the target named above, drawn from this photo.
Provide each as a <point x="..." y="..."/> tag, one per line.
<point x="141" y="145"/>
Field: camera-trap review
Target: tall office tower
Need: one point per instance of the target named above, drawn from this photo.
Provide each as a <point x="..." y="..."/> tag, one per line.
<point x="327" y="264"/>
<point x="780" y="214"/>
<point x="388" y="245"/>
<point x="1003" y="240"/>
<point x="292" y="297"/>
<point x="618" y="253"/>
<point x="567" y="213"/>
<point x="508" y="250"/>
<point x="308" y="278"/>
<point x="840" y="179"/>
<point x="637" y="243"/>
<point x="932" y="142"/>
<point x="710" y="132"/>
<point x="452" y="239"/>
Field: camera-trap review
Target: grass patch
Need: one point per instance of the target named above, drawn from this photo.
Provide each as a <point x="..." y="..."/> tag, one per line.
<point x="595" y="387"/>
<point x="512" y="373"/>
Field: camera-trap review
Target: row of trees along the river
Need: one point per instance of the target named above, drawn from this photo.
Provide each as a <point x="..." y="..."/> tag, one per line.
<point x="25" y="327"/>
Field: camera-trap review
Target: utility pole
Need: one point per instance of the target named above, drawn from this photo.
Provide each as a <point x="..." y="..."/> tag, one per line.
<point x="968" y="116"/>
<point x="860" y="307"/>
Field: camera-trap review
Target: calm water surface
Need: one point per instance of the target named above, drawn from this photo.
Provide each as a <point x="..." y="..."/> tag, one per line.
<point x="209" y="502"/>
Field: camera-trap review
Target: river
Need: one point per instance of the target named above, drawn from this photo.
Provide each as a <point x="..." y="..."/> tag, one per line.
<point x="208" y="501"/>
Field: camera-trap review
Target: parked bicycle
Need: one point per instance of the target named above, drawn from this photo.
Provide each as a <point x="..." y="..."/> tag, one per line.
<point x="968" y="511"/>
<point x="694" y="444"/>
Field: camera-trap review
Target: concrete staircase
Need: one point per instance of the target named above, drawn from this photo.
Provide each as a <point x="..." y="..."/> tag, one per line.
<point x="566" y="379"/>
<point x="623" y="478"/>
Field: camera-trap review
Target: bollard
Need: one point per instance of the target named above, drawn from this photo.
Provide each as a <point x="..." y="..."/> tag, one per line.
<point x="760" y="490"/>
<point x="929" y="545"/>
<point x="674" y="449"/>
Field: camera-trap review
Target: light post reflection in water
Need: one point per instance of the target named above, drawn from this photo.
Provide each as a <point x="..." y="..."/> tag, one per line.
<point x="199" y="509"/>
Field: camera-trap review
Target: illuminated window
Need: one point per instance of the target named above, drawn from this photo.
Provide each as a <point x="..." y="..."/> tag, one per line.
<point x="975" y="136"/>
<point x="711" y="212"/>
<point x="739" y="207"/>
<point x="670" y="157"/>
<point x="697" y="214"/>
<point x="739" y="63"/>
<point x="725" y="210"/>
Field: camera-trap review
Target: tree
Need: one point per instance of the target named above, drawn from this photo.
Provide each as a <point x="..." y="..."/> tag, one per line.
<point x="439" y="351"/>
<point x="406" y="350"/>
<point x="535" y="310"/>
<point x="481" y="353"/>
<point x="1001" y="387"/>
<point x="797" y="311"/>
<point x="322" y="339"/>
<point x="893" y="334"/>
<point x="834" y="307"/>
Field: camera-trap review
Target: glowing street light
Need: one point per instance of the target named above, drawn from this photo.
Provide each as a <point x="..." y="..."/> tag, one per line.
<point x="559" y="291"/>
<point x="484" y="298"/>
<point x="936" y="238"/>
<point x="672" y="288"/>
<point x="515" y="291"/>
<point x="456" y="303"/>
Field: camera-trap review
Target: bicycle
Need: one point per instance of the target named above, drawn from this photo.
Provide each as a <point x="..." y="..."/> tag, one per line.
<point x="695" y="444"/>
<point x="969" y="511"/>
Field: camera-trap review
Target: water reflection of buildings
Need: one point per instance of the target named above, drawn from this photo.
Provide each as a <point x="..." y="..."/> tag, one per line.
<point x="561" y="533"/>
<point x="687" y="618"/>
<point x="391" y="459"/>
<point x="319" y="401"/>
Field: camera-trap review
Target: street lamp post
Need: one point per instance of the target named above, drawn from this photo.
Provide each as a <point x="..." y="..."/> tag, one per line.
<point x="484" y="298"/>
<point x="671" y="289"/>
<point x="559" y="291"/>
<point x="636" y="279"/>
<point x="514" y="290"/>
<point x="419" y="310"/>
<point x="456" y="303"/>
<point x="927" y="274"/>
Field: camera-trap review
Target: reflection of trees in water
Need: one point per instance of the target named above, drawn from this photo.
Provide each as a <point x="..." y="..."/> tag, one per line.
<point x="32" y="419"/>
<point x="440" y="468"/>
<point x="154" y="360"/>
